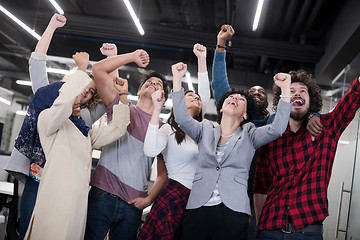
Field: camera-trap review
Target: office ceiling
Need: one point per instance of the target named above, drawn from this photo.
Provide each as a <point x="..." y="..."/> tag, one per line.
<point x="292" y="34"/>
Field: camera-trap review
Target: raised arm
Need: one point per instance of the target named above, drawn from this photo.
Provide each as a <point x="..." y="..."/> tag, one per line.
<point x="203" y="77"/>
<point x="110" y="50"/>
<point x="265" y="134"/>
<point x="55" y="116"/>
<point x="121" y="119"/>
<point x="37" y="61"/>
<point x="188" y="124"/>
<point x="102" y="72"/>
<point x="220" y="83"/>
<point x="155" y="139"/>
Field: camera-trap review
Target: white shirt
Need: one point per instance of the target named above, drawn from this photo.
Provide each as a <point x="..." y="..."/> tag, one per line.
<point x="180" y="160"/>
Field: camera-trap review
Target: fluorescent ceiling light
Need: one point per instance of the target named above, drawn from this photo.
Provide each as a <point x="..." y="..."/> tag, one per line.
<point x="189" y="82"/>
<point x="24" y="82"/>
<point x="257" y="15"/>
<point x="56" y="6"/>
<point x="133" y="98"/>
<point x="5" y="101"/>
<point x="22" y="113"/>
<point x="59" y="71"/>
<point x="18" y="21"/>
<point x="134" y="17"/>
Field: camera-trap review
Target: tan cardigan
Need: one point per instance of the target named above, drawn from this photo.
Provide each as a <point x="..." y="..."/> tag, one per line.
<point x="61" y="204"/>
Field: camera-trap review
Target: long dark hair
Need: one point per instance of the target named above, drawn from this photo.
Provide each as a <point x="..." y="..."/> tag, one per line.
<point x="179" y="134"/>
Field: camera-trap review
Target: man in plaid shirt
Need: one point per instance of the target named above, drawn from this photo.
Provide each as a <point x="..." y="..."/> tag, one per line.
<point x="293" y="172"/>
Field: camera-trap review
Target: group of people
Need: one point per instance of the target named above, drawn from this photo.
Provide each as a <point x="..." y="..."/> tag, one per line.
<point x="206" y="174"/>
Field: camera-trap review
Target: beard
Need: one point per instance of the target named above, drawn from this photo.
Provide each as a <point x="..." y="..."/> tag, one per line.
<point x="300" y="115"/>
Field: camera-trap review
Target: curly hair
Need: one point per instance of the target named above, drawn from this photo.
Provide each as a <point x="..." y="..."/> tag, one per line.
<point x="179" y="133"/>
<point x="95" y="99"/>
<point x="313" y="88"/>
<point x="251" y="107"/>
<point x="153" y="73"/>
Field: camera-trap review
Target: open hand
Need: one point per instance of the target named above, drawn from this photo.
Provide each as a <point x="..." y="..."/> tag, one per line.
<point x="140" y="202"/>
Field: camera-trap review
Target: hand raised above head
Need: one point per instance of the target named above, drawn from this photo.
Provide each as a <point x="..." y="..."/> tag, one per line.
<point x="199" y="50"/>
<point x="57" y="21"/>
<point x="81" y="59"/>
<point x="282" y="80"/>
<point x="141" y="58"/>
<point x="178" y="70"/>
<point x="108" y="49"/>
<point x="225" y="33"/>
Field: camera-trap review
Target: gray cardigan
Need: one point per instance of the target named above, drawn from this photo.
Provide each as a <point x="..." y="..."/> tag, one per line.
<point x="231" y="174"/>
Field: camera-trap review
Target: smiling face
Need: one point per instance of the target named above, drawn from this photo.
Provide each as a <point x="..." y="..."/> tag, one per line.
<point x="193" y="103"/>
<point x="76" y="107"/>
<point x="260" y="96"/>
<point x="235" y="105"/>
<point x="87" y="94"/>
<point x="150" y="86"/>
<point x="301" y="101"/>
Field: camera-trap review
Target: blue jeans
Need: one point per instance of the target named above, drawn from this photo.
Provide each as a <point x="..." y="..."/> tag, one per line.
<point x="27" y="203"/>
<point x="279" y="235"/>
<point x="108" y="212"/>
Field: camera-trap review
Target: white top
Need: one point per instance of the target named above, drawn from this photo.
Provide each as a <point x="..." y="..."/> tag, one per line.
<point x="180" y="160"/>
<point x="215" y="198"/>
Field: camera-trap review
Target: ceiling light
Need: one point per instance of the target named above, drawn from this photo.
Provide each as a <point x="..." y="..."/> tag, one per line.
<point x="257" y="15"/>
<point x="22" y="113"/>
<point x="133" y="97"/>
<point x="59" y="71"/>
<point x="23" y="25"/>
<point x="5" y="101"/>
<point x="24" y="82"/>
<point x="189" y="82"/>
<point x="134" y="17"/>
<point x="56" y="6"/>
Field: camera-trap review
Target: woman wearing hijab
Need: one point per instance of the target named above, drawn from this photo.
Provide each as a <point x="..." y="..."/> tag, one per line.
<point x="61" y="204"/>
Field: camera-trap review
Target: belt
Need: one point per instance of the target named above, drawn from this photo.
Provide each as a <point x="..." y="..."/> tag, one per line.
<point x="309" y="228"/>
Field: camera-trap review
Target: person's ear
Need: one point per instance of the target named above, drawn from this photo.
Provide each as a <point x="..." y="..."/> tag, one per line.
<point x="245" y="117"/>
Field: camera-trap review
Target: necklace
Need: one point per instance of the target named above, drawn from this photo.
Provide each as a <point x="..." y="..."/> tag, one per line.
<point x="229" y="136"/>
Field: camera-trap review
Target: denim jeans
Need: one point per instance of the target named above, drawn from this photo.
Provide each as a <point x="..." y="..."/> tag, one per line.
<point x="27" y="203"/>
<point x="108" y="212"/>
<point x="279" y="235"/>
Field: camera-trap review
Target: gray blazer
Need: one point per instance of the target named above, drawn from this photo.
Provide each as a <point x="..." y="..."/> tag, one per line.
<point x="231" y="174"/>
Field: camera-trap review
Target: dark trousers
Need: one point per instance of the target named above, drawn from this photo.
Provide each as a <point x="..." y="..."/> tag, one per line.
<point x="108" y="212"/>
<point x="215" y="223"/>
<point x="27" y="203"/>
<point x="280" y="235"/>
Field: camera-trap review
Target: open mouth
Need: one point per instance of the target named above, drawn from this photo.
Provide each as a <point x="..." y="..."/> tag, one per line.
<point x="233" y="104"/>
<point x="152" y="87"/>
<point x="298" y="102"/>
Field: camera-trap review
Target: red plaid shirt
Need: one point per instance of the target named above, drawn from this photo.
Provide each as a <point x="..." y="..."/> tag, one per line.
<point x="295" y="172"/>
